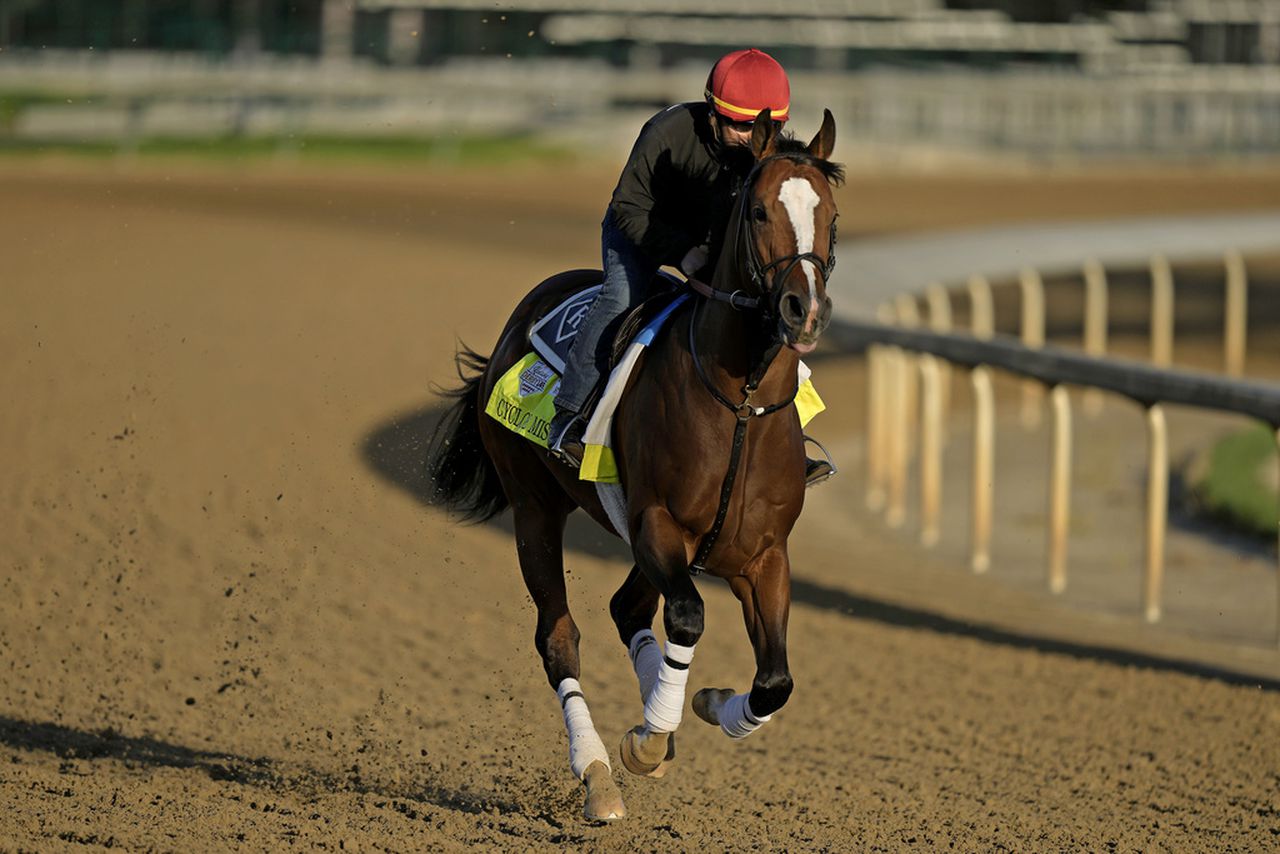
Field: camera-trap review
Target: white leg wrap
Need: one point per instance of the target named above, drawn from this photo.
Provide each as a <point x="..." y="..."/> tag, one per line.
<point x="585" y="745"/>
<point x="646" y="659"/>
<point x="736" y="718"/>
<point x="665" y="705"/>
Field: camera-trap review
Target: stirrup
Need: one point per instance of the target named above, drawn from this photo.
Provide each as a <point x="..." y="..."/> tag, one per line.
<point x="566" y="449"/>
<point x="818" y="471"/>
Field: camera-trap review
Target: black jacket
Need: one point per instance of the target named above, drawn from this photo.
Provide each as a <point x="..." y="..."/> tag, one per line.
<point x="678" y="187"/>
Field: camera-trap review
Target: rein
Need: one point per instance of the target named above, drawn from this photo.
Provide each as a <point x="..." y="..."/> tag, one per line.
<point x="746" y="410"/>
<point x="743" y="412"/>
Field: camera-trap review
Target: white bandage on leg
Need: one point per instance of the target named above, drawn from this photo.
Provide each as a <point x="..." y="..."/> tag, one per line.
<point x="585" y="745"/>
<point x="736" y="718"/>
<point x="645" y="658"/>
<point x="665" y="706"/>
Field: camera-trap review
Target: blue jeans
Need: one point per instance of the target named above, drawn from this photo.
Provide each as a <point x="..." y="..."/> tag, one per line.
<point x="628" y="279"/>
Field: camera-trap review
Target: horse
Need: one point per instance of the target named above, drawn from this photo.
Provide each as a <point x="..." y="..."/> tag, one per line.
<point x="711" y="398"/>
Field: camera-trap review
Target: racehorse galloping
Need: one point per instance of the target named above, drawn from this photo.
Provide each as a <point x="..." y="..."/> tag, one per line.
<point x="721" y="374"/>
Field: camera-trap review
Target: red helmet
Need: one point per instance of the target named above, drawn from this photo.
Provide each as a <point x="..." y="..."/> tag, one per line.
<point x="745" y="82"/>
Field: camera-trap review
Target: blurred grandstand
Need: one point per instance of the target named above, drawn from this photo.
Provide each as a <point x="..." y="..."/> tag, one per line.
<point x="1067" y="78"/>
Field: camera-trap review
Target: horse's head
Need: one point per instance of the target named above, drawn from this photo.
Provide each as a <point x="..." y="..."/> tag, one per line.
<point x="787" y="229"/>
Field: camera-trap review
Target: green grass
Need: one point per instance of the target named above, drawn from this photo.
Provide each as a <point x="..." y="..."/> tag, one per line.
<point x="466" y="151"/>
<point x="1233" y="486"/>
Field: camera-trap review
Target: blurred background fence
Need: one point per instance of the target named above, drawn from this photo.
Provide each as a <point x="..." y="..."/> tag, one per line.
<point x="1069" y="78"/>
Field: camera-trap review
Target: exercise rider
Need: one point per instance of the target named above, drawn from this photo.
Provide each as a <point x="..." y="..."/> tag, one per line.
<point x="671" y="206"/>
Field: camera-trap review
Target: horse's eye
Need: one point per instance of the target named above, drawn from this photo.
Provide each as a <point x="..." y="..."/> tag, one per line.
<point x="758" y="214"/>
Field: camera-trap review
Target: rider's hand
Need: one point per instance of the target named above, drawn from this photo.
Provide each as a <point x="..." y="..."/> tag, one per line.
<point x="694" y="260"/>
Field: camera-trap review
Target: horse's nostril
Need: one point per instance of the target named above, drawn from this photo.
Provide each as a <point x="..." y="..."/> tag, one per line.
<point x="824" y="315"/>
<point x="793" y="308"/>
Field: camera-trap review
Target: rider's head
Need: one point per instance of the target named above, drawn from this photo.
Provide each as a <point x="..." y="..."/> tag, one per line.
<point x="740" y="85"/>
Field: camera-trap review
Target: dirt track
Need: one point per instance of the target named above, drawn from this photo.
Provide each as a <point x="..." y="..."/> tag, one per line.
<point x="226" y="620"/>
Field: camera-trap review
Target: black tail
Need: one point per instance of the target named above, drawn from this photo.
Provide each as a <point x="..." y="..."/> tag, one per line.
<point x="462" y="475"/>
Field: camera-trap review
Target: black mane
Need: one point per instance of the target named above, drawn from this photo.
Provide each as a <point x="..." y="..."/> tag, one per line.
<point x="786" y="145"/>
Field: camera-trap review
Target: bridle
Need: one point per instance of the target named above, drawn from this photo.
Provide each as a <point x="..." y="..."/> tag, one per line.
<point x="764" y="303"/>
<point x="781" y="266"/>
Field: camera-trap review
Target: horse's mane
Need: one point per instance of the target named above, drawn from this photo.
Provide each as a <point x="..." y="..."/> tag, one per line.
<point x="786" y="145"/>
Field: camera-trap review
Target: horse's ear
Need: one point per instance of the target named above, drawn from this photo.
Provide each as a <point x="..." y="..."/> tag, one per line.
<point x="763" y="134"/>
<point x="825" y="142"/>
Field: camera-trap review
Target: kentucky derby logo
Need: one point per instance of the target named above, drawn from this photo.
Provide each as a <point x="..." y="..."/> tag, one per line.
<point x="534" y="378"/>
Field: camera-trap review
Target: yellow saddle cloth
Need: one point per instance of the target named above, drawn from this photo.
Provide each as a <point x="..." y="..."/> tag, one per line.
<point x="523" y="401"/>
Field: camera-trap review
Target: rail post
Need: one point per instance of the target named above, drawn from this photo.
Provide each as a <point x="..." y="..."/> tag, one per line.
<point x="908" y="315"/>
<point x="875" y="431"/>
<point x="983" y="467"/>
<point x="878" y="414"/>
<point x="981" y="314"/>
<point x="1161" y="312"/>
<point x="1033" y="337"/>
<point x="1237" y="313"/>
<point x="1095" y="325"/>
<point x="939" y="308"/>
<point x="896" y="513"/>
<point x="940" y="321"/>
<point x="930" y="449"/>
<point x="1157" y="510"/>
<point x="1060" y="489"/>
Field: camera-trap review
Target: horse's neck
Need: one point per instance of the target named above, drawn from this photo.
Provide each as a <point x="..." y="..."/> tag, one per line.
<point x="728" y="345"/>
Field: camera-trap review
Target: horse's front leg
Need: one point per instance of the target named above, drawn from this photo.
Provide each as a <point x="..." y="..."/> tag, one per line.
<point x="661" y="556"/>
<point x="633" y="608"/>
<point x="765" y="592"/>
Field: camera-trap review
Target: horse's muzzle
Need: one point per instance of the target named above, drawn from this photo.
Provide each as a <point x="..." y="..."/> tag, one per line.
<point x="801" y="319"/>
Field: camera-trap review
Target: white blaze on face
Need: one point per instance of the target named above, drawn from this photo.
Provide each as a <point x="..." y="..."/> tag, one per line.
<point x="800" y="199"/>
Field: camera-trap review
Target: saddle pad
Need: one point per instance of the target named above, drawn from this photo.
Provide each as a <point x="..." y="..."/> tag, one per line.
<point x="552" y="336"/>
<point x="523" y="399"/>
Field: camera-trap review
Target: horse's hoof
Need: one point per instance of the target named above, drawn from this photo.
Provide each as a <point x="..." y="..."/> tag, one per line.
<point x="632" y="752"/>
<point x="604" y="801"/>
<point x="708" y="701"/>
<point x="665" y="765"/>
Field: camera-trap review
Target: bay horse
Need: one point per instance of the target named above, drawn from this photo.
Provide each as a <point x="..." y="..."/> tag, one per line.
<point x="726" y="361"/>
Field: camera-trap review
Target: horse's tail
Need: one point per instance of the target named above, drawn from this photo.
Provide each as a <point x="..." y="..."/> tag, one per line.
<point x="462" y="475"/>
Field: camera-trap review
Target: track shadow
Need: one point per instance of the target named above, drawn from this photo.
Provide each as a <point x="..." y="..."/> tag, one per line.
<point x="68" y="743"/>
<point x="862" y="608"/>
<point x="396" y="451"/>
<point x="72" y="744"/>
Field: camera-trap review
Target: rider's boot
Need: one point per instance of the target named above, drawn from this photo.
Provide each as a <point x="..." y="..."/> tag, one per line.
<point x="564" y="437"/>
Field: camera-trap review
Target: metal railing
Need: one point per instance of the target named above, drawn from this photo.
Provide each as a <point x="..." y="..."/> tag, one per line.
<point x="905" y="390"/>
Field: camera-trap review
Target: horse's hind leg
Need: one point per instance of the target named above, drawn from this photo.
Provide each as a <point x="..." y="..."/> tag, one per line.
<point x="660" y="553"/>
<point x="539" y="542"/>
<point x="633" y="608"/>
<point x="765" y="592"/>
